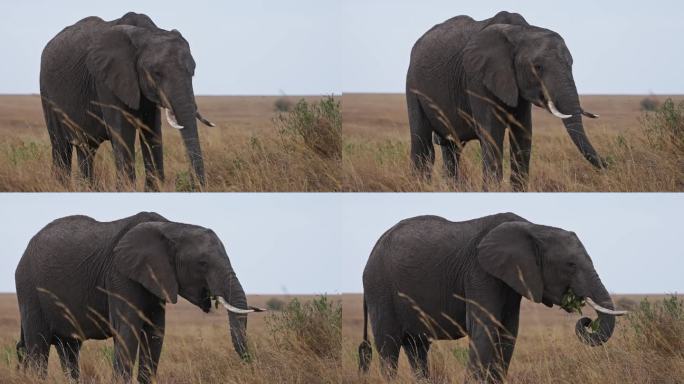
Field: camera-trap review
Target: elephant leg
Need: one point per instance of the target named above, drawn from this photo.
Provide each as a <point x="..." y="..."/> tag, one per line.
<point x="521" y="147"/>
<point x="123" y="141"/>
<point x="422" y="150"/>
<point x="451" y="156"/>
<point x="151" y="147"/>
<point x="388" y="347"/>
<point x="417" y="348"/>
<point x="68" y="351"/>
<point x="490" y="128"/>
<point x="62" y="152"/>
<point x="86" y="156"/>
<point x="510" y="321"/>
<point x="151" y="340"/>
<point x="37" y="339"/>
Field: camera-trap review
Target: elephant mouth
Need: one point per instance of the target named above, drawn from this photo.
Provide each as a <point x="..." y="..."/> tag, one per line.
<point x="205" y="302"/>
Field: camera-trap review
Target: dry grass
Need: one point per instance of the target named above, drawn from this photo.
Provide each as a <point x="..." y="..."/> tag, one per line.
<point x="376" y="151"/>
<point x="547" y="350"/>
<point x="245" y="152"/>
<point x="197" y="348"/>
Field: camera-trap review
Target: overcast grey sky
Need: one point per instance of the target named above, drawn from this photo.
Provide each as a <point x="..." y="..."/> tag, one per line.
<point x="618" y="46"/>
<point x="277" y="243"/>
<point x="634" y="240"/>
<point x="330" y="46"/>
<point x="241" y="47"/>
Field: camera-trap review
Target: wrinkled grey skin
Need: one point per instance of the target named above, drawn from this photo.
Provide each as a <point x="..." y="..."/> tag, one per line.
<point x="128" y="65"/>
<point x="98" y="272"/>
<point x="491" y="71"/>
<point x="430" y="259"/>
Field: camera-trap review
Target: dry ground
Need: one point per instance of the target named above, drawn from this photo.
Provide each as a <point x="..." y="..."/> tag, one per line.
<point x="376" y="150"/>
<point x="547" y="351"/>
<point x="197" y="349"/>
<point x="243" y="153"/>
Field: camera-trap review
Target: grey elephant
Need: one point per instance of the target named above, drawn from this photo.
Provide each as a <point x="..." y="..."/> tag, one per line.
<point x="428" y="278"/>
<point x="105" y="80"/>
<point x="470" y="80"/>
<point x="82" y="279"/>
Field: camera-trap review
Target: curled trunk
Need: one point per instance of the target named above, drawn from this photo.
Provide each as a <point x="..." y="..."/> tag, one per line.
<point x="606" y="323"/>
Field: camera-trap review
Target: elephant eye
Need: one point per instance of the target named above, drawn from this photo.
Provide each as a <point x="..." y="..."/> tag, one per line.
<point x="538" y="68"/>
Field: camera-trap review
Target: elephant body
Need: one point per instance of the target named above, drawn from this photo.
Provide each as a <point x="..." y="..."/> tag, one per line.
<point x="81" y="279"/>
<point x="105" y="81"/>
<point x="428" y="279"/>
<point x="470" y="80"/>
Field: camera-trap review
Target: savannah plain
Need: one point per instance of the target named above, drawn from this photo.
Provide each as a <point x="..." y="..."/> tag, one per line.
<point x="254" y="147"/>
<point x="197" y="347"/>
<point x="647" y="347"/>
<point x="642" y="156"/>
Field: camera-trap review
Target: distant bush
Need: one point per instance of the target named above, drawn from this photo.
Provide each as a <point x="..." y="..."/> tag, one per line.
<point x="625" y="303"/>
<point x="315" y="326"/>
<point x="664" y="127"/>
<point x="318" y="126"/>
<point x="282" y="104"/>
<point x="275" y="304"/>
<point x="659" y="326"/>
<point x="649" y="104"/>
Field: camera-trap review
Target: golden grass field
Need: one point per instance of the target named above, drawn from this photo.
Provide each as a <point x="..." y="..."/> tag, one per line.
<point x="244" y="152"/>
<point x="547" y="351"/>
<point x="197" y="349"/>
<point x="377" y="147"/>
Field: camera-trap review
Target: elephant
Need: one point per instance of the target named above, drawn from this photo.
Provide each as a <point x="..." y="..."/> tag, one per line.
<point x="428" y="278"/>
<point x="470" y="80"/>
<point x="81" y="279"/>
<point x="105" y="80"/>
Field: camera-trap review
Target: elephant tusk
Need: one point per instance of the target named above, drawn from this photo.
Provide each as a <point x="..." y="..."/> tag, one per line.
<point x="230" y="308"/>
<point x="203" y="120"/>
<point x="590" y="115"/>
<point x="601" y="309"/>
<point x="258" y="309"/>
<point x="171" y="118"/>
<point x="556" y="112"/>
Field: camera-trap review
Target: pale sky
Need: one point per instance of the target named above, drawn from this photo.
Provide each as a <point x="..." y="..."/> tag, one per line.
<point x="634" y="240"/>
<point x="329" y="46"/>
<point x="618" y="46"/>
<point x="241" y="47"/>
<point x="277" y="243"/>
<point x="320" y="242"/>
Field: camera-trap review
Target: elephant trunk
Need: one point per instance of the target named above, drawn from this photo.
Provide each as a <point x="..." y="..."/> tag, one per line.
<point x="237" y="321"/>
<point x="185" y="112"/>
<point x="597" y="294"/>
<point x="567" y="101"/>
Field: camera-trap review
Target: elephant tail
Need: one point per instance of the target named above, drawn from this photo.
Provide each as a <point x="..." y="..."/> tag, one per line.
<point x="21" y="349"/>
<point x="365" y="349"/>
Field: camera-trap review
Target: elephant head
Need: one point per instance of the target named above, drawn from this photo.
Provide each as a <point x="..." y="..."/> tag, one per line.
<point x="544" y="264"/>
<point x="516" y="62"/>
<point x="134" y="62"/>
<point x="171" y="259"/>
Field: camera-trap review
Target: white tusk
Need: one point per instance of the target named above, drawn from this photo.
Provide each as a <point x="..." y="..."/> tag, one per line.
<point x="230" y="308"/>
<point x="171" y="118"/>
<point x="556" y="112"/>
<point x="590" y="115"/>
<point x="607" y="311"/>
<point x="258" y="309"/>
<point x="203" y="120"/>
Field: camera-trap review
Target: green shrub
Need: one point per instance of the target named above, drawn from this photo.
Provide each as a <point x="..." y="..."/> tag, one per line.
<point x="318" y="126"/>
<point x="664" y="127"/>
<point x="282" y="104"/>
<point x="315" y="326"/>
<point x="649" y="104"/>
<point x="275" y="304"/>
<point x="659" y="326"/>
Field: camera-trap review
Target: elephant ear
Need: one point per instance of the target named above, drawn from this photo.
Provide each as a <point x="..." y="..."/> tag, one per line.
<point x="488" y="57"/>
<point x="112" y="61"/>
<point x="145" y="255"/>
<point x="509" y="253"/>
